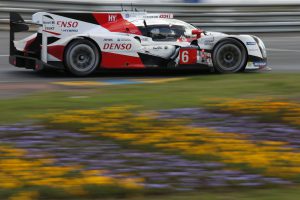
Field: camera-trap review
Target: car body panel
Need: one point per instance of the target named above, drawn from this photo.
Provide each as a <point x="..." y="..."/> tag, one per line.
<point x="131" y="40"/>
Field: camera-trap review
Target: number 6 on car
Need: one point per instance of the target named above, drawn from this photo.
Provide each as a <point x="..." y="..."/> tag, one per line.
<point x="188" y="56"/>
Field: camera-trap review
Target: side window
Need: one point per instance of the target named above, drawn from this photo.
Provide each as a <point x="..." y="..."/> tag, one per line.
<point x="178" y="30"/>
<point x="164" y="32"/>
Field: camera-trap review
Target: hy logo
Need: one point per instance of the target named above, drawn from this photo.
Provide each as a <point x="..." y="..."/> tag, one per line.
<point x="112" y="18"/>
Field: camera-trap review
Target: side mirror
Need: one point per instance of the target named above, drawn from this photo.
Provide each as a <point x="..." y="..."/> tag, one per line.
<point x="197" y="32"/>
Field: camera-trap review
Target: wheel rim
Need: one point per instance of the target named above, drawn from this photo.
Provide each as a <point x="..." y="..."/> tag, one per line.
<point x="82" y="58"/>
<point x="229" y="57"/>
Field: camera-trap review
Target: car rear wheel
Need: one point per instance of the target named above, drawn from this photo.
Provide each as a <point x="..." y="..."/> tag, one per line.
<point x="229" y="56"/>
<point x="82" y="57"/>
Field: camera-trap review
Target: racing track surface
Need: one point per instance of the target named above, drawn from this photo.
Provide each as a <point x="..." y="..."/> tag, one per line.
<point x="283" y="54"/>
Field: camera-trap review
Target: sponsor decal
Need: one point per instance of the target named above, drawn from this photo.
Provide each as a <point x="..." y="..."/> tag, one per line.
<point x="251" y="43"/>
<point x="114" y="22"/>
<point x="252" y="50"/>
<point x="157" y="48"/>
<point x="260" y="63"/>
<point x="209" y="41"/>
<point x="108" y="40"/>
<point x="112" y="18"/>
<point x="48" y="23"/>
<point x="162" y="15"/>
<point x="123" y="40"/>
<point x="150" y="16"/>
<point x="64" y="25"/>
<point x="67" y="24"/>
<point x="205" y="58"/>
<point x="116" y="46"/>
<point x="167" y="16"/>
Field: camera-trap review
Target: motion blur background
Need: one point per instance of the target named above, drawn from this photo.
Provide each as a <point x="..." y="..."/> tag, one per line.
<point x="211" y="15"/>
<point x="205" y="1"/>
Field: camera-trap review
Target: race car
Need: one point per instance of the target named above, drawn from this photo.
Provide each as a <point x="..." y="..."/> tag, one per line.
<point x="81" y="43"/>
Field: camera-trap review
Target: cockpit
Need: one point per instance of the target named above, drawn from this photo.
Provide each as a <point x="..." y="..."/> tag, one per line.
<point x="166" y="29"/>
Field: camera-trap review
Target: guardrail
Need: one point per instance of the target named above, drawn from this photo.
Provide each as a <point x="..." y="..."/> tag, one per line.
<point x="212" y="17"/>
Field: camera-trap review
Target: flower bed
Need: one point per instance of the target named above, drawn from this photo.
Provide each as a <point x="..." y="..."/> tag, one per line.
<point x="118" y="151"/>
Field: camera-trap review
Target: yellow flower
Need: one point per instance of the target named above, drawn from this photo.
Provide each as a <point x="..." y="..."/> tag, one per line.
<point x="119" y="123"/>
<point x="131" y="183"/>
<point x="98" y="180"/>
<point x="17" y="172"/>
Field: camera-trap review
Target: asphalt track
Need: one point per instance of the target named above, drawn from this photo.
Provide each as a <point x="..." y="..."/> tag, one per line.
<point x="283" y="56"/>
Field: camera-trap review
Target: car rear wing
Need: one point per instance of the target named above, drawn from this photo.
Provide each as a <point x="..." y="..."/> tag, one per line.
<point x="17" y="24"/>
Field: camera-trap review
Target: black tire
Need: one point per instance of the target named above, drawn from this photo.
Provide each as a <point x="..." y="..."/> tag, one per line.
<point x="82" y="57"/>
<point x="229" y="56"/>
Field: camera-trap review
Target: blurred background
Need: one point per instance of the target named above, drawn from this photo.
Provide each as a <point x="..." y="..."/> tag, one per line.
<point x="211" y="15"/>
<point x="200" y="1"/>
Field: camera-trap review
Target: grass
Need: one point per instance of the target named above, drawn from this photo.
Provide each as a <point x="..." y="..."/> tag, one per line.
<point x="192" y="92"/>
<point x="219" y="194"/>
<point x="257" y="194"/>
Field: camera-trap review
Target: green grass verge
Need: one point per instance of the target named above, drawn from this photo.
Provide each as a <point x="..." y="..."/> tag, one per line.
<point x="192" y="92"/>
<point x="257" y="194"/>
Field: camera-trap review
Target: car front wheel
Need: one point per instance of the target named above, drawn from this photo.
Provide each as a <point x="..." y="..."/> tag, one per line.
<point x="229" y="56"/>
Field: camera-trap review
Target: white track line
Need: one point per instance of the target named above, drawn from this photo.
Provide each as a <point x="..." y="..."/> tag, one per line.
<point x="4" y="55"/>
<point x="283" y="50"/>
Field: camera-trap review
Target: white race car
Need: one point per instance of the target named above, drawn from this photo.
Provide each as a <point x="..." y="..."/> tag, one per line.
<point x="84" y="42"/>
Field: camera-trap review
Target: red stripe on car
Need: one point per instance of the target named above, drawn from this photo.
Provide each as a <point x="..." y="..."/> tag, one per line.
<point x="53" y="33"/>
<point x="114" y="22"/>
<point x="117" y="61"/>
<point x="28" y="43"/>
<point x="57" y="51"/>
